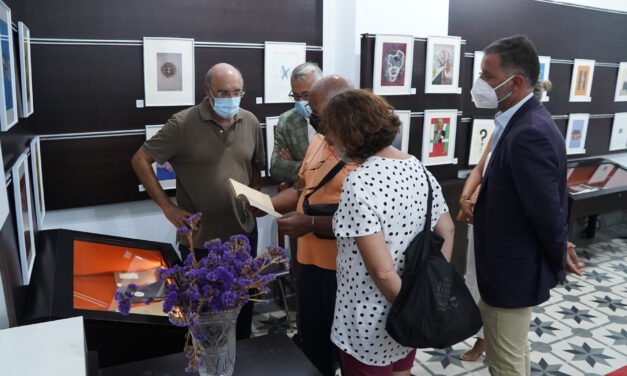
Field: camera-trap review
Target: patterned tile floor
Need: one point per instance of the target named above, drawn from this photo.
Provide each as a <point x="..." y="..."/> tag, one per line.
<point x="581" y="330"/>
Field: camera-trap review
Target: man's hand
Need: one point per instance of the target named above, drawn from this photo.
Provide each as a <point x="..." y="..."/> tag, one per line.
<point x="285" y="155"/>
<point x="176" y="215"/>
<point x="466" y="209"/>
<point x="294" y="224"/>
<point x="573" y="263"/>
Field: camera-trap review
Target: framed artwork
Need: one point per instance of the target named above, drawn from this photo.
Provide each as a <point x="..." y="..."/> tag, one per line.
<point x="26" y="75"/>
<point x="576" y="133"/>
<point x="481" y="132"/>
<point x="165" y="172"/>
<point x="581" y="81"/>
<point x="476" y="68"/>
<point x="618" y="139"/>
<point x="271" y="122"/>
<point x="8" y="96"/>
<point x="438" y="137"/>
<point x="545" y="67"/>
<point x="621" y="83"/>
<point x="4" y="198"/>
<point x="169" y="72"/>
<point x="393" y="64"/>
<point x="23" y="216"/>
<point x="401" y="142"/>
<point x="601" y="173"/>
<point x="443" y="59"/>
<point x="280" y="58"/>
<point x="38" y="182"/>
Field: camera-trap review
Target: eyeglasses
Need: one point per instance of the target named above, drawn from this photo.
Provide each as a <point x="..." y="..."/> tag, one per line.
<point x="298" y="97"/>
<point x="228" y="94"/>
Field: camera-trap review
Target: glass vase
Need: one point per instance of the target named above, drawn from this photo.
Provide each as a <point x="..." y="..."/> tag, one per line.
<point x="214" y="335"/>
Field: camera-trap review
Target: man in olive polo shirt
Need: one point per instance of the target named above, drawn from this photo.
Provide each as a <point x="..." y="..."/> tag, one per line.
<point x="206" y="145"/>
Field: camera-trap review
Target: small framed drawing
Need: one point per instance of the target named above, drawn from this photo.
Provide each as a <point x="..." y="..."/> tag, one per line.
<point x="8" y="102"/>
<point x="38" y="182"/>
<point x="26" y="75"/>
<point x="438" y="137"/>
<point x="4" y="198"/>
<point x="165" y="172"/>
<point x="480" y="140"/>
<point x="621" y="83"/>
<point x="601" y="173"/>
<point x="581" y="81"/>
<point x="280" y="59"/>
<point x="476" y="68"/>
<point x="393" y="64"/>
<point x="618" y="139"/>
<point x="443" y="59"/>
<point x="401" y="142"/>
<point x="271" y="123"/>
<point x="576" y="133"/>
<point x="168" y="71"/>
<point x="23" y="216"/>
<point x="545" y="67"/>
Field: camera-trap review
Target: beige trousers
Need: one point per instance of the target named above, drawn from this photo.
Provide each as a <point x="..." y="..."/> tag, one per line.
<point x="505" y="332"/>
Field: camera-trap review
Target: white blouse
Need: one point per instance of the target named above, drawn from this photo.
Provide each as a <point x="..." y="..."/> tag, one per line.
<point x="388" y="195"/>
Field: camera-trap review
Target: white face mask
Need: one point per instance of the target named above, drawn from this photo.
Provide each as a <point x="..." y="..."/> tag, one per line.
<point x="484" y="95"/>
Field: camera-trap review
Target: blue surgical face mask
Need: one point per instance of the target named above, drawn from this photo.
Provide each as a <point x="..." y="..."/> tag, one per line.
<point x="302" y="107"/>
<point x="226" y="108"/>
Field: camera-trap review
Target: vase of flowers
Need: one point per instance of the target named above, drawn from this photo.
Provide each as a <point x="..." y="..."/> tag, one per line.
<point x="206" y="294"/>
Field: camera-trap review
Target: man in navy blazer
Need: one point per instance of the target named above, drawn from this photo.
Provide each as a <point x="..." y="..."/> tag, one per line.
<point x="520" y="215"/>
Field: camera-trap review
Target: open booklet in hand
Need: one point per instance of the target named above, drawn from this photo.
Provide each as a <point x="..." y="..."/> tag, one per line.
<point x="255" y="198"/>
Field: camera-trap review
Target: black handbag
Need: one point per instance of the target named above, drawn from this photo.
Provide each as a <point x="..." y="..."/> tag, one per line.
<point x="322" y="209"/>
<point x="434" y="307"/>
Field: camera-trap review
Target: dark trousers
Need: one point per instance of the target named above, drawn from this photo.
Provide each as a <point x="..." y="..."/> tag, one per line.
<point x="316" y="305"/>
<point x="245" y="318"/>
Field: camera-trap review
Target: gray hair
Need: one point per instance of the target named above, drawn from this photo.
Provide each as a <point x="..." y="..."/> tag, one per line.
<point x="304" y="70"/>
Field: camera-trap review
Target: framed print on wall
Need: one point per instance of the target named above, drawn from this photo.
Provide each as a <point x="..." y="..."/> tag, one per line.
<point x="438" y="137"/>
<point x="618" y="139"/>
<point x="23" y="216"/>
<point x="280" y="59"/>
<point x="476" y="68"/>
<point x="165" y="172"/>
<point x="38" y="182"/>
<point x="271" y="123"/>
<point x="169" y="72"/>
<point x="621" y="83"/>
<point x="401" y="142"/>
<point x="442" y="67"/>
<point x="4" y="198"/>
<point x="545" y="67"/>
<point x="8" y="96"/>
<point x="26" y="75"/>
<point x="481" y="132"/>
<point x="581" y="80"/>
<point x="576" y="133"/>
<point x="393" y="64"/>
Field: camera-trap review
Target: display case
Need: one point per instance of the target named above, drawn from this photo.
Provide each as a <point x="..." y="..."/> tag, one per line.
<point x="595" y="186"/>
<point x="77" y="274"/>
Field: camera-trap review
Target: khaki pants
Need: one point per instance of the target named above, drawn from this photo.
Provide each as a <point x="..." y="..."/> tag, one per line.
<point x="506" y="331"/>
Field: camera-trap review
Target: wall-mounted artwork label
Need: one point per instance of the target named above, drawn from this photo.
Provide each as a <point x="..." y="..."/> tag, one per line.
<point x="393" y="64"/>
<point x="442" y="65"/>
<point x="169" y="72"/>
<point x="438" y="137"/>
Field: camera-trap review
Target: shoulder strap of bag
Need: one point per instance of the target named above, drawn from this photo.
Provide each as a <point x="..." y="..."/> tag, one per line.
<point x="330" y="175"/>
<point x="429" y="202"/>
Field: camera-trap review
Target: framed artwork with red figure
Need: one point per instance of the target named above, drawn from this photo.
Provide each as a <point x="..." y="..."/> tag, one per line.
<point x="438" y="138"/>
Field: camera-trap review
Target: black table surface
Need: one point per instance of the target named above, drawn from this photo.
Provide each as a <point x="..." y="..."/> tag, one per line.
<point x="270" y="355"/>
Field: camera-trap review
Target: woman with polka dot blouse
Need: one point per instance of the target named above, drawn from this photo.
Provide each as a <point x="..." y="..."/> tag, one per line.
<point x="382" y="208"/>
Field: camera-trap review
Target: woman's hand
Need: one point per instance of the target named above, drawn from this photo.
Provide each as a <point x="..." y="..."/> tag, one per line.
<point x="466" y="210"/>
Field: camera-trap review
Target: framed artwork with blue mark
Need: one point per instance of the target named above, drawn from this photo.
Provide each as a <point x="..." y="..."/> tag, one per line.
<point x="280" y="58"/>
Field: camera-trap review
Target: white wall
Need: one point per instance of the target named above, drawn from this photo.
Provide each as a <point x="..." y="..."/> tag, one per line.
<point x="345" y="20"/>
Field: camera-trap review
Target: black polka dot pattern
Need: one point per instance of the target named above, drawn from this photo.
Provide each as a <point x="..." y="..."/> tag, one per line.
<point x="388" y="195"/>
